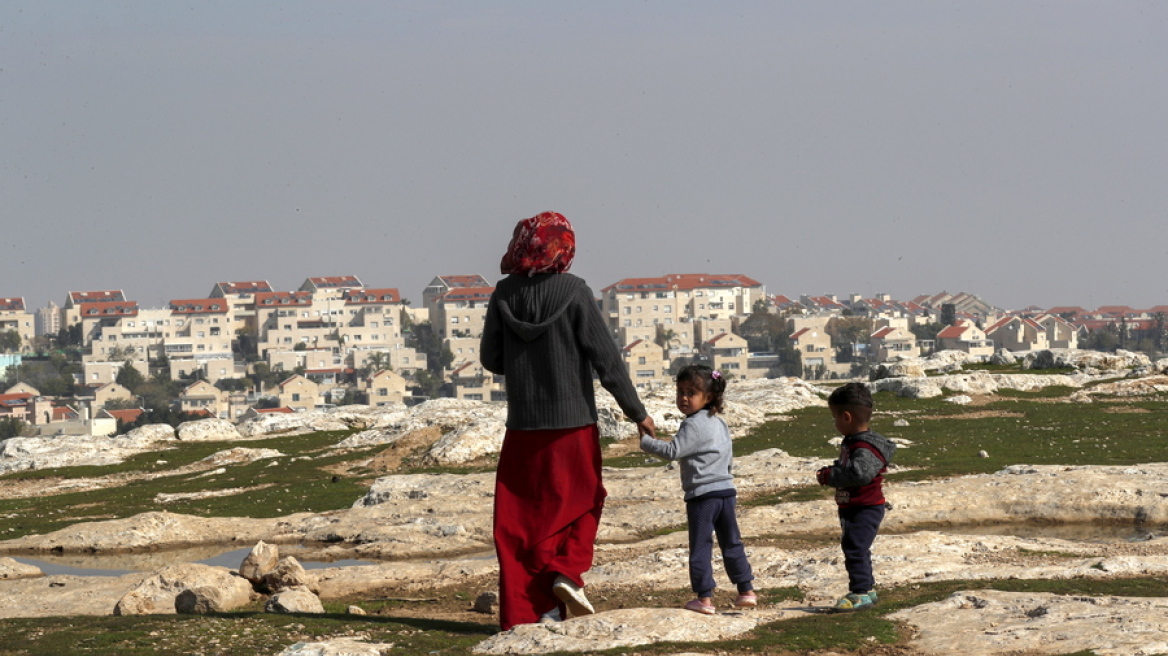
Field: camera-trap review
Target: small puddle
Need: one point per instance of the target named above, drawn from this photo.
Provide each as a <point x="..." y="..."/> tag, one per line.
<point x="127" y="563"/>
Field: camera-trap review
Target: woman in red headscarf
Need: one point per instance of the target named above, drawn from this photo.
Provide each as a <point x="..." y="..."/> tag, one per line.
<point x="546" y="336"/>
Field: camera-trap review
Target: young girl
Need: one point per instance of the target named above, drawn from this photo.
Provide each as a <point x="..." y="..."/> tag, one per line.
<point x="702" y="444"/>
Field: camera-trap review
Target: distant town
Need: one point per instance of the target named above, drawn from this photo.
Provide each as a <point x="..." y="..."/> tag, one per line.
<point x="101" y="364"/>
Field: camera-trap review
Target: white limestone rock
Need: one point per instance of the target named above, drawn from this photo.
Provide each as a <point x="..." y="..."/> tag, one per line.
<point x="259" y="561"/>
<point x="287" y="574"/>
<point x="294" y="600"/>
<point x="207" y="430"/>
<point x="150" y="434"/>
<point x="339" y="647"/>
<point x="628" y="627"/>
<point x="12" y="569"/>
<point x="993" y="622"/>
<point x="466" y="443"/>
<point x="240" y="455"/>
<point x="157" y="594"/>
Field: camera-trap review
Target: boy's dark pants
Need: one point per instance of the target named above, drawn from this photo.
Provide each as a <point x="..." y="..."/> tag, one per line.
<point x="859" y="524"/>
<point x="715" y="515"/>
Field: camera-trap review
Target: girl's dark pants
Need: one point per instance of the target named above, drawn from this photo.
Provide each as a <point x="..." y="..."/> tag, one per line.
<point x="708" y="517"/>
<point x="859" y="524"/>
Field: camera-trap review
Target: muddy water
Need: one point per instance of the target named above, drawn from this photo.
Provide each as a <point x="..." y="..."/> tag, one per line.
<point x="119" y="564"/>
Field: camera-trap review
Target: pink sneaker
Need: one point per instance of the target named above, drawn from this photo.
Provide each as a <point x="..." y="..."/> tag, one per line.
<point x="747" y="600"/>
<point x="698" y="606"/>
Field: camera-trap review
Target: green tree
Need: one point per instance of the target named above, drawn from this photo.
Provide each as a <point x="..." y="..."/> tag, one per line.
<point x="10" y="341"/>
<point x="129" y="377"/>
<point x="11" y="427"/>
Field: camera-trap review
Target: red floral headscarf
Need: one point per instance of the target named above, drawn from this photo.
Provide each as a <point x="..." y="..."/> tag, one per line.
<point x="545" y="243"/>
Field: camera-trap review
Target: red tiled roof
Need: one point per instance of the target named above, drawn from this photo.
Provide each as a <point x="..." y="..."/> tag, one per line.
<point x="126" y="416"/>
<point x="199" y="306"/>
<point x="634" y="343"/>
<point x="686" y="281"/>
<point x="273" y="299"/>
<point x="109" y="309"/>
<point x="1115" y="309"/>
<point x="468" y="294"/>
<point x="91" y="297"/>
<point x="267" y="411"/>
<point x="247" y="287"/>
<point x="372" y="296"/>
<point x="16" y="303"/>
<point x="883" y="332"/>
<point x="799" y="333"/>
<point x="336" y="282"/>
<point x="952" y="332"/>
<point x="474" y="280"/>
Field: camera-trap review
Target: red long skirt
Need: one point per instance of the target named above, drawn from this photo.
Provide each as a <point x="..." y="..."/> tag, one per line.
<point x="548" y="500"/>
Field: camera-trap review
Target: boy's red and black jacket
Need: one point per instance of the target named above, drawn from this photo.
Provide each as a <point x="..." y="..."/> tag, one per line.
<point x="858" y="474"/>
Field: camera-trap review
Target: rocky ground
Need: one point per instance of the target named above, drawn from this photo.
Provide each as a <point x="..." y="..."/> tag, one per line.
<point x="431" y="535"/>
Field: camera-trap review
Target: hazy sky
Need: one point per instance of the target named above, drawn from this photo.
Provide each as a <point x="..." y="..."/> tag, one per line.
<point x="1016" y="150"/>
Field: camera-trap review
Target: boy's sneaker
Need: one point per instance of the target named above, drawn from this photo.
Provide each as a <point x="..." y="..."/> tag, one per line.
<point x="699" y="606"/>
<point x="551" y="616"/>
<point x="572" y="596"/>
<point x="746" y="600"/>
<point x="852" y="602"/>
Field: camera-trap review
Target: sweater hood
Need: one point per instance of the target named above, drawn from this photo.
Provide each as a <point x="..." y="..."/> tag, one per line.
<point x="885" y="446"/>
<point x="529" y="306"/>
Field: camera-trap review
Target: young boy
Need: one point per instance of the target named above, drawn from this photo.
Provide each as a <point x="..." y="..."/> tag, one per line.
<point x="858" y="477"/>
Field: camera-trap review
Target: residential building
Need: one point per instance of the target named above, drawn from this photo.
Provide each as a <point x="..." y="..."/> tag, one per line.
<point x="299" y="393"/>
<point x="461" y="312"/>
<point x="201" y="331"/>
<point x="97" y="371"/>
<point x="727" y="353"/>
<point x="965" y="336"/>
<point x="472" y="382"/>
<point x="384" y="387"/>
<point x="14" y="317"/>
<point x="240" y="297"/>
<point x="706" y="329"/>
<point x="669" y="299"/>
<point x="48" y="320"/>
<point x="1017" y="334"/>
<point x="892" y="343"/>
<point x="962" y="302"/>
<point x="441" y="285"/>
<point x="32" y="409"/>
<point x="71" y="313"/>
<point x="646" y="364"/>
<point x="331" y="287"/>
<point x="202" y="396"/>
<point x="1060" y="333"/>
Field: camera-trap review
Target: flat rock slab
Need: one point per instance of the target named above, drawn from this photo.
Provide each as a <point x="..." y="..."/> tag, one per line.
<point x="51" y="596"/>
<point x="992" y="622"/>
<point x="627" y="628"/>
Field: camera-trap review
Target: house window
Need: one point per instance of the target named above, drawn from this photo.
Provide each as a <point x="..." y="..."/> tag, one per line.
<point x="628" y="310"/>
<point x="453" y="319"/>
<point x="382" y="391"/>
<point x="641" y="360"/>
<point x="295" y="397"/>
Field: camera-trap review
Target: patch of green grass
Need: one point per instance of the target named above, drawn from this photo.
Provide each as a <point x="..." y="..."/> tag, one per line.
<point x="946" y="438"/>
<point x="295" y="482"/>
<point x="242" y="634"/>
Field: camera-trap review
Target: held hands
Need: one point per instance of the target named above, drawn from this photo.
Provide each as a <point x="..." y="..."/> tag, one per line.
<point x="647" y="427"/>
<point x="823" y="475"/>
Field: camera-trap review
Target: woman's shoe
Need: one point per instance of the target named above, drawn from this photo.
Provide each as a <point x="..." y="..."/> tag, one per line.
<point x="572" y="595"/>
<point x="699" y="606"/>
<point x="746" y="600"/>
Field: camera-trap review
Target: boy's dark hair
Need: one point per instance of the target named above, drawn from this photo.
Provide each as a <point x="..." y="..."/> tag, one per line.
<point x="854" y="398"/>
<point x="711" y="382"/>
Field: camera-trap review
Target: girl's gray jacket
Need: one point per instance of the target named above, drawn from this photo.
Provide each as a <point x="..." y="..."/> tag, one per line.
<point x="703" y="447"/>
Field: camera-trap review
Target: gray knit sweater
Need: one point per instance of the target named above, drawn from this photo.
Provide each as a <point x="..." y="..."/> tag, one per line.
<point x="703" y="447"/>
<point x="546" y="335"/>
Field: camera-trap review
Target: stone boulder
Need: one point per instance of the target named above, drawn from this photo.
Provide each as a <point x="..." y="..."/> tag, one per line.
<point x="287" y="574"/>
<point x="466" y="443"/>
<point x="259" y="561"/>
<point x="11" y="569"/>
<point x="294" y="600"/>
<point x="339" y="647"/>
<point x="1095" y="362"/>
<point x="1003" y="357"/>
<point x="487" y="603"/>
<point x="239" y="455"/>
<point x="207" y="430"/>
<point x="620" y="628"/>
<point x="151" y="433"/>
<point x="903" y="369"/>
<point x="158" y="594"/>
<point x="205" y="599"/>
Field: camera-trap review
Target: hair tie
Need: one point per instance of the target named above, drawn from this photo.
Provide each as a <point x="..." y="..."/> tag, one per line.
<point x="715" y="374"/>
